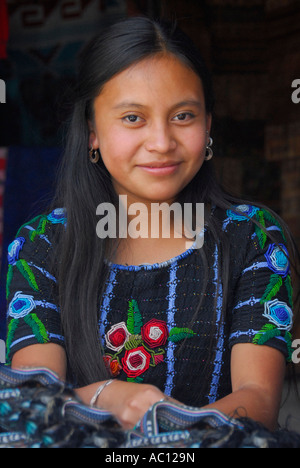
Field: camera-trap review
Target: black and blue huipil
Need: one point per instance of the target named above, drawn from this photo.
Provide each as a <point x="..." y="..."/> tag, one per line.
<point x="150" y="325"/>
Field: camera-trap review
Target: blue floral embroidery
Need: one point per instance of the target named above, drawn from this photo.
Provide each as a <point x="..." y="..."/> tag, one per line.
<point x="247" y="210"/>
<point x="14" y="250"/>
<point x="21" y="305"/>
<point x="277" y="259"/>
<point x="21" y="309"/>
<point x="279" y="313"/>
<point x="57" y="216"/>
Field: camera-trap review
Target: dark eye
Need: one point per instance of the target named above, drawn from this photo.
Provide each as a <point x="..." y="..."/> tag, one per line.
<point x="183" y="116"/>
<point x="131" y="118"/>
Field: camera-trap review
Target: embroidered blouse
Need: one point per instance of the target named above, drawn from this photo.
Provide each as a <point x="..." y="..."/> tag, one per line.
<point x="151" y="326"/>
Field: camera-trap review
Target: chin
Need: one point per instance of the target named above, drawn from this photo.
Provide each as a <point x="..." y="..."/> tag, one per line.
<point x="168" y="198"/>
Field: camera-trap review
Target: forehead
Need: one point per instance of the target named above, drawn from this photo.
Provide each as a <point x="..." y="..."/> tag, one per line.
<point x="160" y="76"/>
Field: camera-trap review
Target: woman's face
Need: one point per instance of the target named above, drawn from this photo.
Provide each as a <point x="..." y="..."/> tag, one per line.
<point x="150" y="126"/>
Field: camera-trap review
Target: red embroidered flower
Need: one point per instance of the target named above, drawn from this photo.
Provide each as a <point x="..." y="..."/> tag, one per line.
<point x="112" y="365"/>
<point x="107" y="360"/>
<point x="155" y="333"/>
<point x="115" y="368"/>
<point x="117" y="336"/>
<point x="136" y="361"/>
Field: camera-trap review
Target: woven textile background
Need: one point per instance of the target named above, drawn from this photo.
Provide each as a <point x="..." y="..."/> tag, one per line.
<point x="45" y="39"/>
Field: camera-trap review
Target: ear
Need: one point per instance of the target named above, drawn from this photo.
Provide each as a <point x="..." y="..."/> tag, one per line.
<point x="93" y="140"/>
<point x="208" y="122"/>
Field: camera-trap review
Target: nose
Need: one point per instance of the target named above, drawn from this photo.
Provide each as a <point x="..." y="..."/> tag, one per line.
<point x="160" y="139"/>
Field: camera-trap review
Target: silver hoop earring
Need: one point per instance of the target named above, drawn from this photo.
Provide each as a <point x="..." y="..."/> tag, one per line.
<point x="94" y="155"/>
<point x="209" y="152"/>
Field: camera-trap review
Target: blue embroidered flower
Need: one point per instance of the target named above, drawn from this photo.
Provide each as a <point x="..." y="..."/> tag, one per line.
<point x="247" y="210"/>
<point x="57" y="216"/>
<point x="277" y="259"/>
<point x="14" y="250"/>
<point x="279" y="313"/>
<point x="21" y="305"/>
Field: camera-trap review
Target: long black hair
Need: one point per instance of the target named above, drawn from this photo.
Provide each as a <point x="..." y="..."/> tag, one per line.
<point x="82" y="186"/>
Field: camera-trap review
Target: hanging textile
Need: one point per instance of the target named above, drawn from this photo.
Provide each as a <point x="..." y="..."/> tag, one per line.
<point x="3" y="29"/>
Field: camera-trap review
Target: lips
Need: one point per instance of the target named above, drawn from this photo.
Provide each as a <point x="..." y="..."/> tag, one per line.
<point x="160" y="168"/>
<point x="158" y="165"/>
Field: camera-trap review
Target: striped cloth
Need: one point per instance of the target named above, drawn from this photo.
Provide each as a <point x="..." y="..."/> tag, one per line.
<point x="37" y="410"/>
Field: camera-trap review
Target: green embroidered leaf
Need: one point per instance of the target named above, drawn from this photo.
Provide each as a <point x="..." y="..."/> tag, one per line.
<point x="262" y="236"/>
<point x="288" y="285"/>
<point x="40" y="229"/>
<point x="264" y="329"/>
<point x="177" y="334"/>
<point x="130" y="319"/>
<point x="133" y="342"/>
<point x="267" y="332"/>
<point x="25" y="270"/>
<point x="138" y="320"/>
<point x="13" y="325"/>
<point x="271" y="219"/>
<point x="135" y="379"/>
<point x="288" y="339"/>
<point x="10" y="272"/>
<point x="134" y="320"/>
<point x="272" y="288"/>
<point x="37" y="327"/>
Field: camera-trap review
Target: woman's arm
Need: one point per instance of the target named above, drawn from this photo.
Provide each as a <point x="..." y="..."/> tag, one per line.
<point x="257" y="377"/>
<point x="128" y="401"/>
<point x="257" y="374"/>
<point x="49" y="355"/>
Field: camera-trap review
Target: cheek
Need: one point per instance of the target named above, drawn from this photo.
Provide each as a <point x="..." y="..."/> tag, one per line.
<point x="195" y="144"/>
<point x="117" y="147"/>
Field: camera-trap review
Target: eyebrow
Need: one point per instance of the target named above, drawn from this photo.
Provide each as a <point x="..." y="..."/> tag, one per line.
<point x="187" y="102"/>
<point x="125" y="104"/>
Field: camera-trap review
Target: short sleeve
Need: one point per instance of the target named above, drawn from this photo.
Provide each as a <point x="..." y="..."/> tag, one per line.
<point x="262" y="307"/>
<point x="33" y="314"/>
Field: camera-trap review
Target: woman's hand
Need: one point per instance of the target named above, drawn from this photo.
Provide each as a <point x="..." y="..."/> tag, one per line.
<point x="128" y="401"/>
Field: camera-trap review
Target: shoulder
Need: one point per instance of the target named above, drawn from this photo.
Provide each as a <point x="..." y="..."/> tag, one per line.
<point x="252" y="223"/>
<point x="254" y="235"/>
<point x="38" y="223"/>
<point x="30" y="255"/>
<point x="37" y="226"/>
<point x="36" y="235"/>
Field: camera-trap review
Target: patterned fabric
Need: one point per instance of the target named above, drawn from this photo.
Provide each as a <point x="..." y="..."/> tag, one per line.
<point x="29" y="183"/>
<point x="3" y="157"/>
<point x="39" y="411"/>
<point x="149" y="326"/>
<point x="45" y="41"/>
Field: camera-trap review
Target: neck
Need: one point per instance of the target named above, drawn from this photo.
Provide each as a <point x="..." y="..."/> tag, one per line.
<point x="151" y="219"/>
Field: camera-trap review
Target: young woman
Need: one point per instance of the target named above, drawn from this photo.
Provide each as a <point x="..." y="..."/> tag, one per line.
<point x="132" y="320"/>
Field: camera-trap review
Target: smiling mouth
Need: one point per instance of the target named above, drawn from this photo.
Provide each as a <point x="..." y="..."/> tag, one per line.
<point x="160" y="169"/>
<point x="157" y="165"/>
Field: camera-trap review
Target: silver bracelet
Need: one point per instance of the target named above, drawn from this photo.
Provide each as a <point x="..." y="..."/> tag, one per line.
<point x="99" y="390"/>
